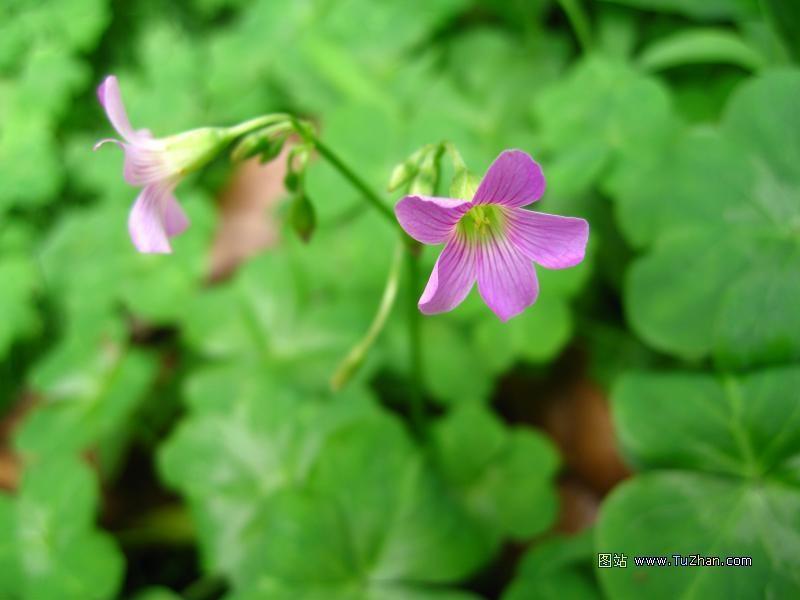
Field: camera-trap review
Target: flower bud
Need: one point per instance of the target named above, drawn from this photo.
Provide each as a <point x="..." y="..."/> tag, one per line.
<point x="302" y="216"/>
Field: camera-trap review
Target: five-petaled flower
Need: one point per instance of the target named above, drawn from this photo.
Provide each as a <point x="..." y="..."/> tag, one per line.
<point x="157" y="165"/>
<point x="493" y="239"/>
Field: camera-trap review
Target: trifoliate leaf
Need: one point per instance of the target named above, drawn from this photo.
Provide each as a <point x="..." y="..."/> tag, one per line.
<point x="49" y="548"/>
<point x="721" y="222"/>
<point x="720" y="458"/>
<point x="558" y="568"/>
<point x="504" y="477"/>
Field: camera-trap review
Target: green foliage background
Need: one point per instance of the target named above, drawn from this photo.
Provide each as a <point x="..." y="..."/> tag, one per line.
<point x="673" y="126"/>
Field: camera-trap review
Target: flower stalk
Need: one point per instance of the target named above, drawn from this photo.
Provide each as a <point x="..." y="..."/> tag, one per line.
<point x="355" y="358"/>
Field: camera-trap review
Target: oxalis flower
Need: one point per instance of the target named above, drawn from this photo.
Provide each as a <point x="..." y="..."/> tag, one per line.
<point x="493" y="239"/>
<point x="157" y="165"/>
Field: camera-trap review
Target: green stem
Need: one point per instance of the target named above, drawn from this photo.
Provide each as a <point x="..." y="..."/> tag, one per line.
<point x="417" y="407"/>
<point x="337" y="163"/>
<point x="257" y="123"/>
<point x="579" y="22"/>
<point x="356" y="356"/>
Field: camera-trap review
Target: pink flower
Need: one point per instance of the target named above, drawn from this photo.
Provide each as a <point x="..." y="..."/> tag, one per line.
<point x="157" y="165"/>
<point x="492" y="239"/>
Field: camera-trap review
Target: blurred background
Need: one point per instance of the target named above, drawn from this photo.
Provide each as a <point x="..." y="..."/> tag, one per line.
<point x="167" y="428"/>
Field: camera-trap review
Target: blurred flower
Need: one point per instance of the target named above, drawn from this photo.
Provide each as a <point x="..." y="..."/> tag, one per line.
<point x="492" y="239"/>
<point x="157" y="165"/>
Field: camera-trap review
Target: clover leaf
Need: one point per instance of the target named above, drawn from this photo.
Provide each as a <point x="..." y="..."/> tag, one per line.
<point x="321" y="513"/>
<point x="364" y="524"/>
<point x="247" y="436"/>
<point x="556" y="568"/>
<point x="50" y="548"/>
<point x="719" y="213"/>
<point x="21" y="286"/>
<point x="602" y="114"/>
<point x="719" y="458"/>
<point x="90" y="385"/>
<point x="89" y="249"/>
<point x="710" y="9"/>
<point x="503" y="476"/>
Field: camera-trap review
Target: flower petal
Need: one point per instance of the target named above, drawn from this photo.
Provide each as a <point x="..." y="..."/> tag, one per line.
<point x="451" y="279"/>
<point x="514" y="179"/>
<point x="110" y="98"/>
<point x="552" y="241"/>
<point x="146" y="222"/>
<point x="175" y="219"/>
<point x="428" y="219"/>
<point x="144" y="164"/>
<point x="506" y="279"/>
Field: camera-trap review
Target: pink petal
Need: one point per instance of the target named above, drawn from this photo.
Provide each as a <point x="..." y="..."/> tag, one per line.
<point x="175" y="219"/>
<point x="451" y="279"/>
<point x="513" y="179"/>
<point x="144" y="163"/>
<point x="428" y="219"/>
<point x="552" y="241"/>
<point x="506" y="279"/>
<point x="146" y="222"/>
<point x="110" y="98"/>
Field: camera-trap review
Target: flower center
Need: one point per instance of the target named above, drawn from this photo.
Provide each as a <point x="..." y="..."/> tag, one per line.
<point x="482" y="222"/>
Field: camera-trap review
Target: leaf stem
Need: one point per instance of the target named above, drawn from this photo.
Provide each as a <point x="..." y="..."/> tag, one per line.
<point x="337" y="163"/>
<point x="579" y="22"/>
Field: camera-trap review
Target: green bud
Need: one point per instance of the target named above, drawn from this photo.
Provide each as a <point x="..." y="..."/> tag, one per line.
<point x="302" y="216"/>
<point x="464" y="185"/>
<point x="266" y="143"/>
<point x="401" y="175"/>
<point x="257" y="145"/>
<point x="293" y="181"/>
<point x="427" y="177"/>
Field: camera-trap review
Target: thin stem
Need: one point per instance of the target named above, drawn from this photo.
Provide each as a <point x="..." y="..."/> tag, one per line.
<point x="417" y="408"/>
<point x="579" y="22"/>
<point x="356" y="356"/>
<point x="257" y="123"/>
<point x="369" y="195"/>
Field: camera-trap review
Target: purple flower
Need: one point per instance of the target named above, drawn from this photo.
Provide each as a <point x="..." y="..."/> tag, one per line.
<point x="156" y="165"/>
<point x="492" y="239"/>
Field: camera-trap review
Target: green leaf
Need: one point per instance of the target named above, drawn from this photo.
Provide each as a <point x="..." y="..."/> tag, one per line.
<point x="91" y="385"/>
<point x="721" y="225"/>
<point x="603" y="113"/>
<point x="90" y="249"/>
<point x="720" y="456"/>
<point x="50" y="547"/>
<point x="20" y="289"/>
<point x="785" y="18"/>
<point x="706" y="10"/>
<point x="247" y="437"/>
<point x="557" y="568"/>
<point x="699" y="46"/>
<point x="156" y="593"/>
<point x="503" y="476"/>
<point x="297" y="322"/>
<point x="364" y="525"/>
<point x="320" y="514"/>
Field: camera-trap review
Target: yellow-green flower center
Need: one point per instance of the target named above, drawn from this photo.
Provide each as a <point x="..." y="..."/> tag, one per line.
<point x="482" y="222"/>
